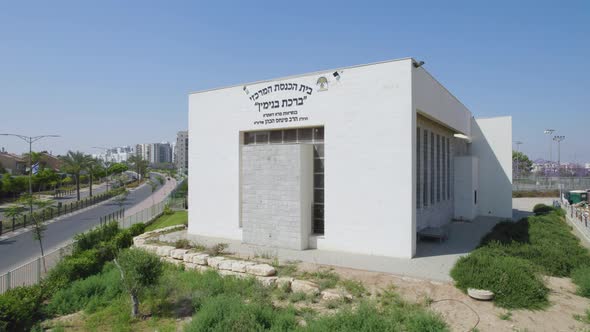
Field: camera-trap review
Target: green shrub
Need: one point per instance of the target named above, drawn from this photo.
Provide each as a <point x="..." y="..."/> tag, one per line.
<point x="167" y="210"/>
<point x="123" y="239"/>
<point x="545" y="240"/>
<point x="368" y="317"/>
<point x="325" y="278"/>
<point x="226" y="313"/>
<point x="581" y="277"/>
<point x="182" y="244"/>
<point x="541" y="209"/>
<point x="91" y="293"/>
<point x="139" y="270"/>
<point x="354" y="287"/>
<point x="137" y="229"/>
<point x="20" y="308"/>
<point x="515" y="282"/>
<point x="217" y="249"/>
<point x="90" y="239"/>
<point x="72" y="268"/>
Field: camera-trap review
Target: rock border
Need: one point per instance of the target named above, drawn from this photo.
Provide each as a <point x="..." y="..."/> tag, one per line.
<point x="200" y="261"/>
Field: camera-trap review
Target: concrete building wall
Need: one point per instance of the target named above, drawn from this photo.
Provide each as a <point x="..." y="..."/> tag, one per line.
<point x="276" y="186"/>
<point x="367" y="115"/>
<point x="181" y="151"/>
<point x="492" y="144"/>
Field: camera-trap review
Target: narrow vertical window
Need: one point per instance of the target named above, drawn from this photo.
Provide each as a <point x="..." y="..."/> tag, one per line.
<point x="449" y="167"/>
<point x="432" y="179"/>
<point x="444" y="169"/>
<point x="418" y="170"/>
<point x="438" y="186"/>
<point x="425" y="169"/>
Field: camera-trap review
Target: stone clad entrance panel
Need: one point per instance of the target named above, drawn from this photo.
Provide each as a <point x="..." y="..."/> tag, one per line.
<point x="277" y="189"/>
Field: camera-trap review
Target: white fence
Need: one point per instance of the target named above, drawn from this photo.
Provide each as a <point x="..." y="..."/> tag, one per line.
<point x="32" y="272"/>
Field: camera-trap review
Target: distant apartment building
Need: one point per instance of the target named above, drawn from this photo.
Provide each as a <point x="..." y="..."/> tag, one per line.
<point x="155" y="153"/>
<point x="12" y="163"/>
<point x="116" y="155"/>
<point x="181" y="152"/>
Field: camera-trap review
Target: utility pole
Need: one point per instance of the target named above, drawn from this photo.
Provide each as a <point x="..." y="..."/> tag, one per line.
<point x="558" y="139"/>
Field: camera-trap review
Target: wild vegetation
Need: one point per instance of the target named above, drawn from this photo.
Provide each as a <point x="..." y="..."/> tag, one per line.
<point x="514" y="256"/>
<point x="219" y="303"/>
<point x="22" y="307"/>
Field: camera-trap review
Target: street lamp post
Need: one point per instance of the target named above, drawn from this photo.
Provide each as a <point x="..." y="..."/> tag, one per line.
<point x="558" y="139"/>
<point x="30" y="140"/>
<point x="550" y="133"/>
<point x="518" y="143"/>
<point x="106" y="163"/>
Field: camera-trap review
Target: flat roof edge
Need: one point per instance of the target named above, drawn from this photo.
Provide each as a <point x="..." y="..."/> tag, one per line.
<point x="300" y="75"/>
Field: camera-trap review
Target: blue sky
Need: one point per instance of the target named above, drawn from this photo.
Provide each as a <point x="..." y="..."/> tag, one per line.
<point x="119" y="72"/>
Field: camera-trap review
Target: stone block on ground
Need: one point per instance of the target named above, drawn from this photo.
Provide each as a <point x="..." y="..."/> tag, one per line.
<point x="267" y="281"/>
<point x="285" y="282"/>
<point x="305" y="286"/>
<point x="191" y="266"/>
<point x="240" y="266"/>
<point x="164" y="251"/>
<point x="214" y="261"/>
<point x="225" y="264"/>
<point x="171" y="260"/>
<point x="200" y="259"/>
<point x="263" y="270"/>
<point x="231" y="273"/>
<point x="335" y="294"/>
<point x="189" y="256"/>
<point x="178" y="253"/>
<point x="149" y="247"/>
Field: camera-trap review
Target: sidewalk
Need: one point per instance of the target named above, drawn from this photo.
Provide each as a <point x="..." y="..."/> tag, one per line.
<point x="157" y="197"/>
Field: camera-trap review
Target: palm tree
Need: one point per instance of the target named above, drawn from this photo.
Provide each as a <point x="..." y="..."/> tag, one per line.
<point x="93" y="167"/>
<point x="139" y="164"/>
<point x="74" y="163"/>
<point x="14" y="211"/>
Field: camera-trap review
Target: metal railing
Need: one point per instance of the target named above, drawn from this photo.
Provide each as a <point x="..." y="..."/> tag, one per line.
<point x="14" y="223"/>
<point x="550" y="183"/>
<point x="578" y="217"/>
<point x="32" y="272"/>
<point x="148" y="214"/>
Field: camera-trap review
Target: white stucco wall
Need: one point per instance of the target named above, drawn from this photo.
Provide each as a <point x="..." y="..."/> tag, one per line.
<point x="492" y="144"/>
<point x="369" y="117"/>
<point x="434" y="101"/>
<point x="368" y="122"/>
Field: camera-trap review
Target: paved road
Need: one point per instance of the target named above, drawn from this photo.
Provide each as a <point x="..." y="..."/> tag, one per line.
<point x="22" y="248"/>
<point x="84" y="192"/>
